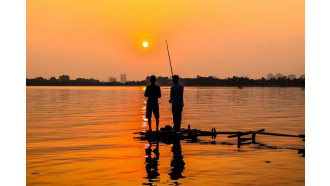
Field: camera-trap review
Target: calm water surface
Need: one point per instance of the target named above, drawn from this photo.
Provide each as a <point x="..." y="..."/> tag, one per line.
<point x="84" y="136"/>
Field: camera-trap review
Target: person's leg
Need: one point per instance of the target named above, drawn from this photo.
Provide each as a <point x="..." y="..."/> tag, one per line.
<point x="176" y="117"/>
<point x="173" y="115"/>
<point x="156" y="114"/>
<point x="179" y="117"/>
<point x="157" y="124"/>
<point x="148" y="115"/>
<point x="149" y="123"/>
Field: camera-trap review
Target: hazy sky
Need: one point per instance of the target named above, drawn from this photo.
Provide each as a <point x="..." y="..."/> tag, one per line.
<point x="102" y="38"/>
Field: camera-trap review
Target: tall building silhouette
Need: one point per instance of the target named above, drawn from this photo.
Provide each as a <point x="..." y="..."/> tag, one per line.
<point x="123" y="78"/>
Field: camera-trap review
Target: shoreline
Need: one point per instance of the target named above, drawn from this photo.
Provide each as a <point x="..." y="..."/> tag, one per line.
<point x="296" y="86"/>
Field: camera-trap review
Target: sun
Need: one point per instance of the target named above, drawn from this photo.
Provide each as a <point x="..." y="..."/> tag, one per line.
<point x="145" y="44"/>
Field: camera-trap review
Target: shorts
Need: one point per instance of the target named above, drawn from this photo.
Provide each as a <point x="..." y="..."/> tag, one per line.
<point x="152" y="107"/>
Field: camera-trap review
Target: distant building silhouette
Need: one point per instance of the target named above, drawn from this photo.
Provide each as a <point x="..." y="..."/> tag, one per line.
<point x="123" y="78"/>
<point x="112" y="79"/>
<point x="279" y="75"/>
<point x="64" y="78"/>
<point x="52" y="79"/>
<point x="270" y="76"/>
<point x="302" y="76"/>
<point x="292" y="77"/>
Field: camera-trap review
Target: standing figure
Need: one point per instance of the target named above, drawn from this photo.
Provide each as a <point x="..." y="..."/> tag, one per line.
<point x="177" y="102"/>
<point x="153" y="93"/>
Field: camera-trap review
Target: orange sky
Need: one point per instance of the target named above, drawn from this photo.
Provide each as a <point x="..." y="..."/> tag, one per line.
<point x="102" y="38"/>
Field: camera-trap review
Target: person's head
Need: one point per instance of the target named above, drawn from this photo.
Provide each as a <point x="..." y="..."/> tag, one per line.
<point x="176" y="79"/>
<point x="152" y="79"/>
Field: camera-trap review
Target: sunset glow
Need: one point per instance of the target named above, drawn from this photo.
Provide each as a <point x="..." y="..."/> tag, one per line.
<point x="98" y="39"/>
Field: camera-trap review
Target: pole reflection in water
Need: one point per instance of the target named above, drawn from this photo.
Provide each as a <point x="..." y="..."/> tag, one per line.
<point x="151" y="162"/>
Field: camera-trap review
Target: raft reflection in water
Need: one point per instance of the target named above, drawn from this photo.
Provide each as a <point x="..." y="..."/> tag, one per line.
<point x="152" y="159"/>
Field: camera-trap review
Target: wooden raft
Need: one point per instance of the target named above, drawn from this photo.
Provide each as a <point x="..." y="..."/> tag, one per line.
<point x="167" y="135"/>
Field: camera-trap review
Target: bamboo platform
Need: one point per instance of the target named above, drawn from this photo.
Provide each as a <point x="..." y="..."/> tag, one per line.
<point x="168" y="135"/>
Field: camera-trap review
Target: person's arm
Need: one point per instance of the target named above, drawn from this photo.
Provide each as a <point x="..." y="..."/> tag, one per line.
<point x="146" y="93"/>
<point x="159" y="93"/>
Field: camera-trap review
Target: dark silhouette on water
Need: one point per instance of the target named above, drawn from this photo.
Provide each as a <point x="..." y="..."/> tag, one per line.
<point x="177" y="102"/>
<point x="153" y="93"/>
<point x="169" y="136"/>
<point x="152" y="162"/>
<point x="177" y="162"/>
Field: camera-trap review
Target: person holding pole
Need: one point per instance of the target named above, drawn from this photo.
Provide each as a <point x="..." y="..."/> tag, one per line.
<point x="176" y="99"/>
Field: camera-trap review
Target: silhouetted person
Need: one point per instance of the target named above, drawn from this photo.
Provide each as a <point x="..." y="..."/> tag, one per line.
<point x="177" y="162"/>
<point x="152" y="162"/>
<point x="177" y="102"/>
<point x="153" y="93"/>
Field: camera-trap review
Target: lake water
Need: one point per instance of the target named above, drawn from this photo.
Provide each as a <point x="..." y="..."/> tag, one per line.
<point x="85" y="136"/>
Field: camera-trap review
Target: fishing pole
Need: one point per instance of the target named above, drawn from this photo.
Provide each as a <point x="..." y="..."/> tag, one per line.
<point x="169" y="57"/>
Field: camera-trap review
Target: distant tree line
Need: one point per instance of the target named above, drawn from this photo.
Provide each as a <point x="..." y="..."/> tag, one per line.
<point x="234" y="81"/>
<point x="64" y="80"/>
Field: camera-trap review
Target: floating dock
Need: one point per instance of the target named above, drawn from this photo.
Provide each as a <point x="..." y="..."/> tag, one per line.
<point x="168" y="135"/>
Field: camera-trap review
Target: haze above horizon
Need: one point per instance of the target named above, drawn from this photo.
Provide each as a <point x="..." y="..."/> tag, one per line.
<point x="223" y="38"/>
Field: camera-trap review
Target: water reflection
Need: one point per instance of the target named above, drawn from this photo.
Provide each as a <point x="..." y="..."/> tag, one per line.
<point x="102" y="150"/>
<point x="177" y="162"/>
<point x="151" y="161"/>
